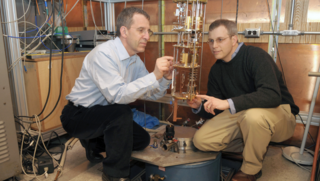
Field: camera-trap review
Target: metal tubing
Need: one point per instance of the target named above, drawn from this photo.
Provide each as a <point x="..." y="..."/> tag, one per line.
<point x="9" y="11"/>
<point x="242" y="33"/>
<point x="316" y="74"/>
<point x="313" y="102"/>
<point x="315" y="157"/>
<point x="291" y="15"/>
<point x="204" y="20"/>
<point x="310" y="33"/>
<point x="105" y="16"/>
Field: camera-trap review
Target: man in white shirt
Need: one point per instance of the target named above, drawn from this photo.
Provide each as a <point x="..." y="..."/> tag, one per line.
<point x="111" y="77"/>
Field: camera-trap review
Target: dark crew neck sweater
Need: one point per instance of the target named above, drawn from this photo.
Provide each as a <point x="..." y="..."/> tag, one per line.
<point x="251" y="79"/>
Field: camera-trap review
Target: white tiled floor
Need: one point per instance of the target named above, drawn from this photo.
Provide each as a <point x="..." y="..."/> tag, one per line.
<point x="78" y="168"/>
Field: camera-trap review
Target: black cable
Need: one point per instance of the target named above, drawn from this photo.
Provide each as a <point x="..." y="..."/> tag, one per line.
<point x="62" y="146"/>
<point x="32" y="137"/>
<point x="62" y="57"/>
<point x="237" y="11"/>
<point x="62" y="60"/>
<point x="274" y="41"/>
<point x="50" y="60"/>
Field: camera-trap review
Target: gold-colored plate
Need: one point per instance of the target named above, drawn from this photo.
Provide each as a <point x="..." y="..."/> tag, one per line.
<point x="179" y="46"/>
<point x="186" y="30"/>
<point x="183" y="96"/>
<point x="187" y="67"/>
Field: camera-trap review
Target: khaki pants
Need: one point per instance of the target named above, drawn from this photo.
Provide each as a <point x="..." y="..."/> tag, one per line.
<point x="248" y="131"/>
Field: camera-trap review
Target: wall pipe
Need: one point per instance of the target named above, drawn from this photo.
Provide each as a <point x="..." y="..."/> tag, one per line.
<point x="242" y="33"/>
<point x="291" y="15"/>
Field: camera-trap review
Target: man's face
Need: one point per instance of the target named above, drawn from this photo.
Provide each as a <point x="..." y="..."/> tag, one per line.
<point x="221" y="44"/>
<point x="138" y="34"/>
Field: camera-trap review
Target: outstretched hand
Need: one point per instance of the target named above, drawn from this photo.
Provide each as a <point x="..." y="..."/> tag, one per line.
<point x="163" y="67"/>
<point x="214" y="103"/>
<point x="195" y="103"/>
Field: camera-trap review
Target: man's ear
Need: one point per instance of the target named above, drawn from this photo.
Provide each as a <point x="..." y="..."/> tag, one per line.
<point x="123" y="31"/>
<point x="234" y="39"/>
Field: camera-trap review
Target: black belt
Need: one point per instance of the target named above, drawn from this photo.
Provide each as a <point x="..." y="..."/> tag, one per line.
<point x="70" y="103"/>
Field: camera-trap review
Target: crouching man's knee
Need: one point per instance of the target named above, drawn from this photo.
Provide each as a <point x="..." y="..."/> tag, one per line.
<point x="203" y="143"/>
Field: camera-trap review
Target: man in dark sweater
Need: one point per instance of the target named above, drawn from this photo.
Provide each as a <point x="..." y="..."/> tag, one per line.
<point x="247" y="104"/>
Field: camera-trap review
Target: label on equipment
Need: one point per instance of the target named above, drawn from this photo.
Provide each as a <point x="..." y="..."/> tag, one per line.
<point x="162" y="168"/>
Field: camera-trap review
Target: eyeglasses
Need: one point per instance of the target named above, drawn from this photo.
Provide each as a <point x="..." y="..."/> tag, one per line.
<point x="218" y="40"/>
<point x="143" y="31"/>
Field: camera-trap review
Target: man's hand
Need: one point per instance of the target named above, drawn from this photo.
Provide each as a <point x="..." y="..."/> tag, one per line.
<point x="214" y="103"/>
<point x="163" y="67"/>
<point x="195" y="103"/>
<point x="168" y="74"/>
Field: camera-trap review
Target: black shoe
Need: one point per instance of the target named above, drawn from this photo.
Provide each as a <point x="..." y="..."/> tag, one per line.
<point x="240" y="176"/>
<point x="91" y="156"/>
<point x="106" y="177"/>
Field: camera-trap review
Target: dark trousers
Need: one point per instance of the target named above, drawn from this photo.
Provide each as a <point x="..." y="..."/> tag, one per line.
<point x="110" y="125"/>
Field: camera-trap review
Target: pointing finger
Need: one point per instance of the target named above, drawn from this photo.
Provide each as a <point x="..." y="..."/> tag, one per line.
<point x="203" y="97"/>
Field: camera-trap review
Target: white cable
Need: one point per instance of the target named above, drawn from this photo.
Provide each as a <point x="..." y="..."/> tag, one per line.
<point x="101" y="14"/>
<point x="94" y="22"/>
<point x="25" y="33"/>
<point x="21" y="159"/>
<point x="298" y="163"/>
<point x="38" y="122"/>
<point x="21" y="16"/>
<point x="71" y="9"/>
<point x="142" y="4"/>
<point x="32" y="50"/>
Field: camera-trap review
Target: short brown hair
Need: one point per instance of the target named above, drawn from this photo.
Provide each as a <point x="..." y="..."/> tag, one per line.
<point x="125" y="18"/>
<point x="231" y="26"/>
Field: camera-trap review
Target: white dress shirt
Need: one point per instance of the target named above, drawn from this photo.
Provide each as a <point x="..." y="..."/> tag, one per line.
<point x="109" y="75"/>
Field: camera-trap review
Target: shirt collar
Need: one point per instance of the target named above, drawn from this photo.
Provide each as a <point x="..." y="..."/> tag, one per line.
<point x="122" y="52"/>
<point x="237" y="50"/>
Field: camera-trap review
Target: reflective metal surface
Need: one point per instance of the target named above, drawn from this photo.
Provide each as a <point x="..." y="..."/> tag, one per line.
<point x="314" y="11"/>
<point x="159" y="157"/>
<point x="151" y="7"/>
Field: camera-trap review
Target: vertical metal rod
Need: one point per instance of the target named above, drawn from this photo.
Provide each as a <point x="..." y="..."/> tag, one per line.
<point x="159" y="46"/>
<point x="9" y="11"/>
<point x="221" y="9"/>
<point x="313" y="102"/>
<point x="291" y="15"/>
<point x="105" y="16"/>
<point x="275" y="24"/>
<point x="203" y="24"/>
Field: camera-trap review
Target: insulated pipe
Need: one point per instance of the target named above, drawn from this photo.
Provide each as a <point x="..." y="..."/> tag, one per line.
<point x="313" y="102"/>
<point x="315" y="157"/>
<point x="105" y="16"/>
<point x="242" y="33"/>
<point x="291" y="15"/>
<point x="203" y="22"/>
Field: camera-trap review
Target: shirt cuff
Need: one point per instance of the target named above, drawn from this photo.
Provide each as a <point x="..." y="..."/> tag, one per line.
<point x="196" y="111"/>
<point x="164" y="83"/>
<point x="232" y="108"/>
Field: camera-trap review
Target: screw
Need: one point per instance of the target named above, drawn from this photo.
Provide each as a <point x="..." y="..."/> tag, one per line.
<point x="4" y="103"/>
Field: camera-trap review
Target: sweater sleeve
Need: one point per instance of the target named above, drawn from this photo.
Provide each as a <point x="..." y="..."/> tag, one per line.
<point x="214" y="91"/>
<point x="263" y="71"/>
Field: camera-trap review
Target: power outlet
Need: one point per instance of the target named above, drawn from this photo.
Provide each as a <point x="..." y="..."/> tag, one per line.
<point x="252" y="32"/>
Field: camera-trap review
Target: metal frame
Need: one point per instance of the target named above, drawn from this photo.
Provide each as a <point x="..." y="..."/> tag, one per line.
<point x="9" y="155"/>
<point x="12" y="45"/>
<point x="275" y="25"/>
